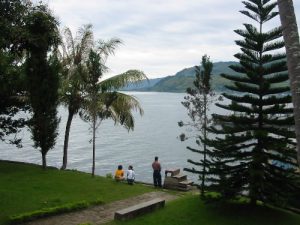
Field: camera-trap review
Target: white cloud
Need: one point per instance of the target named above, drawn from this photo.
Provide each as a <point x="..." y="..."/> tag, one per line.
<point x="160" y="36"/>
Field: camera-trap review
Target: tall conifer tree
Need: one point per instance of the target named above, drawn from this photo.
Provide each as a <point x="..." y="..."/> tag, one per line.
<point x="197" y="102"/>
<point x="254" y="153"/>
<point x="42" y="77"/>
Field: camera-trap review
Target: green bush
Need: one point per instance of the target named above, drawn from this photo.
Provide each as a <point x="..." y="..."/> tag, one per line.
<point x="25" y="217"/>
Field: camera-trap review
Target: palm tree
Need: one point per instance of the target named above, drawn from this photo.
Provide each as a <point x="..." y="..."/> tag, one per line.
<point x="101" y="99"/>
<point x="74" y="55"/>
<point x="291" y="39"/>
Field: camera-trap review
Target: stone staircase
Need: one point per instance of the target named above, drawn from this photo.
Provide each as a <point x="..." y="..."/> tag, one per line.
<point x="176" y="181"/>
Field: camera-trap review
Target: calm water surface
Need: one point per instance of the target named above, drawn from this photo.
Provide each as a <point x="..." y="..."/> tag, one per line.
<point x="155" y="133"/>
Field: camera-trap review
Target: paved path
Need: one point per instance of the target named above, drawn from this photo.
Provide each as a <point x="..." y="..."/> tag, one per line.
<point x="102" y="213"/>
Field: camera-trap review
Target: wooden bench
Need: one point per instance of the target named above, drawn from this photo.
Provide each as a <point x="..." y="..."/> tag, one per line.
<point x="139" y="209"/>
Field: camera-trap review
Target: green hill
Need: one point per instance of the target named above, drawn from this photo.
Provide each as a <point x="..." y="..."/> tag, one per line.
<point x="184" y="79"/>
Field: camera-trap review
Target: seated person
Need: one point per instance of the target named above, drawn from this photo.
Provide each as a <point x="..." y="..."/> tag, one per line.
<point x="130" y="175"/>
<point x="119" y="174"/>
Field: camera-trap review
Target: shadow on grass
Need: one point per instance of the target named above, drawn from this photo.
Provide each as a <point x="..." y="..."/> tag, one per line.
<point x="258" y="214"/>
<point x="192" y="211"/>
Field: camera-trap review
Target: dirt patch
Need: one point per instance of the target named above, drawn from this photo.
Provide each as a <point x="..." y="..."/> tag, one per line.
<point x="100" y="214"/>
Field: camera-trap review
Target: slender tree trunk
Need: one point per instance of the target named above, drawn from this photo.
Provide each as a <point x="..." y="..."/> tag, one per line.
<point x="44" y="160"/>
<point x="94" y="140"/>
<point x="66" y="141"/>
<point x="205" y="137"/>
<point x="253" y="201"/>
<point x="292" y="45"/>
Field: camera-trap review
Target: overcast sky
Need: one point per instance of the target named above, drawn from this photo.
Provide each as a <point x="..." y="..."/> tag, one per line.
<point x="160" y="37"/>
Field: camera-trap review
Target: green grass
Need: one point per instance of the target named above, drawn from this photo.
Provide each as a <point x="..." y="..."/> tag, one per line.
<point x="191" y="211"/>
<point x="25" y="188"/>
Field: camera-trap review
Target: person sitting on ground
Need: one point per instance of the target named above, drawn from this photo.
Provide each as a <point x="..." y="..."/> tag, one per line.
<point x="119" y="174"/>
<point x="130" y="175"/>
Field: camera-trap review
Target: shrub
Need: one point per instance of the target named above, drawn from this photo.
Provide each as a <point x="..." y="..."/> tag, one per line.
<point x="29" y="216"/>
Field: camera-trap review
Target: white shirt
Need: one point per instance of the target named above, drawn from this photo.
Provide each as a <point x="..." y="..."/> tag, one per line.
<point x="130" y="174"/>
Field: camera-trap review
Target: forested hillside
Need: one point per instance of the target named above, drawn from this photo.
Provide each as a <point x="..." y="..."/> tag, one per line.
<point x="183" y="79"/>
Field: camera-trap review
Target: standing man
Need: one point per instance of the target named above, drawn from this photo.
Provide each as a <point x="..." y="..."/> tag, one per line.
<point x="156" y="172"/>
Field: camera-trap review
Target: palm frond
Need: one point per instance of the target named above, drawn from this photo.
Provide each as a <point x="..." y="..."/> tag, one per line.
<point x="69" y="42"/>
<point x="122" y="80"/>
<point x="112" y="105"/>
<point x="123" y="107"/>
<point x="85" y="41"/>
<point x="129" y="102"/>
<point x="106" y="48"/>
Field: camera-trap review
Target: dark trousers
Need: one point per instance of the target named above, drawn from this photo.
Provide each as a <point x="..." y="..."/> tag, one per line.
<point x="130" y="181"/>
<point x="157" y="178"/>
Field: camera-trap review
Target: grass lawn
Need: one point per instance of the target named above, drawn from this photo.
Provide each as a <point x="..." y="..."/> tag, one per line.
<point x="25" y="188"/>
<point x="191" y="211"/>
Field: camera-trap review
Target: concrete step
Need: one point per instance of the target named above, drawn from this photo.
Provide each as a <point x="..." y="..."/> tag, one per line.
<point x="187" y="188"/>
<point x="170" y="183"/>
<point x="185" y="183"/>
<point x="180" y="177"/>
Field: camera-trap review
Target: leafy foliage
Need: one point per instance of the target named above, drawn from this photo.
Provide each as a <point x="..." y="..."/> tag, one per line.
<point x="73" y="56"/>
<point x="12" y="88"/>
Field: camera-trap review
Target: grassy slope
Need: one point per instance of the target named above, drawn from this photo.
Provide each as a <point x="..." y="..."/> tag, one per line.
<point x="25" y="188"/>
<point x="191" y="211"/>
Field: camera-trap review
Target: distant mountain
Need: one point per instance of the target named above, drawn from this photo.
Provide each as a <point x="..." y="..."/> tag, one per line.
<point x="184" y="79"/>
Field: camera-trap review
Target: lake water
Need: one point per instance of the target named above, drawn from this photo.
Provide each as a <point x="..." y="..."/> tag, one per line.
<point x="155" y="134"/>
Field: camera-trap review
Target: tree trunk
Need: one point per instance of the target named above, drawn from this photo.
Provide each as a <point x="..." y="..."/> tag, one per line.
<point x="204" y="146"/>
<point x="292" y="45"/>
<point x="94" y="140"/>
<point x="253" y="201"/>
<point x="44" y="161"/>
<point x="66" y="141"/>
